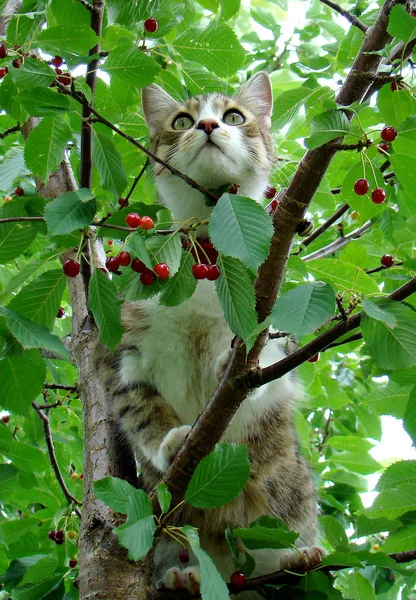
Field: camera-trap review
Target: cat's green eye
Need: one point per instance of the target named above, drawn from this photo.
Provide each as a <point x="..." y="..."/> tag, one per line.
<point x="233" y="117"/>
<point x="182" y="123"/>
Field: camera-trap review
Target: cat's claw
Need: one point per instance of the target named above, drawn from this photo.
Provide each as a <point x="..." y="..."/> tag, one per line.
<point x="186" y="579"/>
<point x="309" y="556"/>
<point x="170" y="445"/>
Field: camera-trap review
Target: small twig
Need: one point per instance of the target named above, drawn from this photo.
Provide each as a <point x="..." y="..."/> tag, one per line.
<point x="345" y="13"/>
<point x="358" y="146"/>
<point x="320" y="230"/>
<point x="9" y="131"/>
<point x="276" y="335"/>
<point x="343" y="314"/>
<point x="325" y="432"/>
<point x="52" y="456"/>
<point x="382" y="268"/>
<point x="343" y="241"/>
<point x="58" y="386"/>
<point x="87" y="5"/>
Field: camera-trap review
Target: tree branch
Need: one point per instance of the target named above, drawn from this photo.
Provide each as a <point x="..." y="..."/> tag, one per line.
<point x="52" y="457"/>
<point x="322" y="228"/>
<point x="338" y="244"/>
<point x="9" y="131"/>
<point x="345" y="13"/>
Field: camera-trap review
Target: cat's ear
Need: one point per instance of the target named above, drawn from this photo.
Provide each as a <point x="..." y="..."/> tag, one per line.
<point x="257" y="95"/>
<point x="157" y="105"/>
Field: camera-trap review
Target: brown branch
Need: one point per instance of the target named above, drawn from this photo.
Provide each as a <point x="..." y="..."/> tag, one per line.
<point x="322" y="228"/>
<point x="358" y="146"/>
<point x="345" y="13"/>
<point x="382" y="268"/>
<point x="58" y="386"/>
<point x="338" y="244"/>
<point x="87" y="5"/>
<point x="9" y="131"/>
<point x="52" y="457"/>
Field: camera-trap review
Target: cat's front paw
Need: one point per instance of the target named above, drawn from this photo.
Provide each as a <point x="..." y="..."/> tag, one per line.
<point x="186" y="579"/>
<point x="221" y="364"/>
<point x="170" y="445"/>
<point x="303" y="558"/>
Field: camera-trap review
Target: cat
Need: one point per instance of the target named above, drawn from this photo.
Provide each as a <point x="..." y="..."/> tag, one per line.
<point x="171" y="358"/>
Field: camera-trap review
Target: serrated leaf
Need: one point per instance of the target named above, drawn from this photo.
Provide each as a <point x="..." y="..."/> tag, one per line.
<point x="236" y="293"/>
<point x="287" y="105"/>
<point x="402" y="540"/>
<point x="326" y="127"/>
<point x="128" y="66"/>
<point x="7" y="473"/>
<point x="349" y="442"/>
<point x="164" y="497"/>
<point x="114" y="492"/>
<point x="213" y="587"/>
<point x="334" y="533"/>
<point x="107" y="160"/>
<point x="405" y="170"/>
<point x="303" y="309"/>
<point x="341" y="558"/>
<point x="266" y="532"/>
<point x="22" y="378"/>
<point x="219" y="477"/>
<point x="166" y="249"/>
<point x="70" y="211"/>
<point x="343" y="276"/>
<point x="392" y="348"/>
<point x="15" y="237"/>
<point x="409" y="417"/>
<point x="394" y="503"/>
<point x="390" y="399"/>
<point x="401" y="24"/>
<point x="41" y="102"/>
<point x="365" y="526"/>
<point x="182" y="285"/>
<point x="359" y="587"/>
<point x="137" y="533"/>
<point x="395" y="107"/>
<point x="403" y="471"/>
<point x="374" y="309"/>
<point x="24" y="456"/>
<point x="76" y="39"/>
<point x="43" y="569"/>
<point x="358" y="462"/>
<point x="229" y="8"/>
<point x="31" y="335"/>
<point x="38" y="590"/>
<point x="33" y="73"/>
<point x="216" y="47"/>
<point x="39" y="301"/>
<point x="104" y="303"/>
<point x="241" y="228"/>
<point x="45" y="146"/>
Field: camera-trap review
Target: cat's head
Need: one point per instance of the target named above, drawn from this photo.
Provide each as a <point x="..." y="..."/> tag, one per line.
<point x="214" y="139"/>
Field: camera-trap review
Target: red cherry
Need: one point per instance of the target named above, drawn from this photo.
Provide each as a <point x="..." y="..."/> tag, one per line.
<point x="58" y="71"/>
<point x="314" y="358"/>
<point x="5" y="419"/>
<point x="378" y="196"/>
<point x="3" y="51"/>
<point x="183" y="555"/>
<point x="162" y="270"/>
<point x="270" y="192"/>
<point x="19" y="191"/>
<point x="213" y="272"/>
<point x="61" y="313"/>
<point x="65" y="78"/>
<point x="274" y="204"/>
<point x="81" y="476"/>
<point x="138" y="265"/>
<point x="147" y="223"/>
<point x="124" y="259"/>
<point x="57" y="61"/>
<point x="71" y="268"/>
<point x="387" y="260"/>
<point x="383" y="147"/>
<point x="17" y="63"/>
<point x="200" y="271"/>
<point x="389" y="134"/>
<point x="3" y="72"/>
<point x="397" y="85"/>
<point x="51" y="535"/>
<point x="73" y="563"/>
<point x="133" y="220"/>
<point x="151" y="25"/>
<point x="59" y="534"/>
<point x="122" y="202"/>
<point x="147" y="277"/>
<point x="413" y="14"/>
<point x="238" y="579"/>
<point x="112" y="264"/>
<point x="110" y="242"/>
<point x="361" y="187"/>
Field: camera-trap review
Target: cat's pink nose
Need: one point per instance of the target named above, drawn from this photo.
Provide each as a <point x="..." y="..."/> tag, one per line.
<point x="208" y="125"/>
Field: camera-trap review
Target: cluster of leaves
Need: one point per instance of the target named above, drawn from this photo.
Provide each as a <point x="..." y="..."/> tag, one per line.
<point x="196" y="45"/>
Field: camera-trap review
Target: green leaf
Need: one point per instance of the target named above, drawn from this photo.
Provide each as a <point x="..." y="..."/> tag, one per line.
<point x="341" y="558"/>
<point x="236" y="293"/>
<point x="266" y="532"/>
<point x="216" y="47"/>
<point x="359" y="587"/>
<point x="104" y="303"/>
<point x="22" y="378"/>
<point x="241" y="228"/>
<point x="409" y="418"/>
<point x="166" y="249"/>
<point x="374" y="309"/>
<point x="213" y="587"/>
<point x="76" y="39"/>
<point x="287" y="105"/>
<point x="394" y="503"/>
<point x="137" y="533"/>
<point x="182" y="285"/>
<point x="365" y="526"/>
<point x="303" y="309"/>
<point x="33" y="73"/>
<point x="363" y="204"/>
<point x="401" y="24"/>
<point x="392" y="348"/>
<point x="40" y="300"/>
<point x="31" y="335"/>
<point x="358" y="462"/>
<point x="326" y="127"/>
<point x="24" y="456"/>
<point x="130" y="67"/>
<point x="342" y="275"/>
<point x="220" y="477"/>
<point x="396" y="106"/>
<point x="114" y="492"/>
<point x="46" y="145"/>
<point x="335" y="533"/>
<point x="403" y="471"/>
<point x="43" y="569"/>
<point x="402" y="540"/>
<point x="164" y="497"/>
<point x="41" y="102"/>
<point x="70" y="211"/>
<point x="405" y="170"/>
<point x="109" y="165"/>
<point x="349" y="442"/>
<point x="15" y="237"/>
<point x="136" y="245"/>
<point x="229" y="8"/>
<point x="38" y="590"/>
<point x="390" y="399"/>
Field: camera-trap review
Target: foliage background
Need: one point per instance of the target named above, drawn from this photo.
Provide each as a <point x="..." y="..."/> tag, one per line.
<point x="201" y="47"/>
